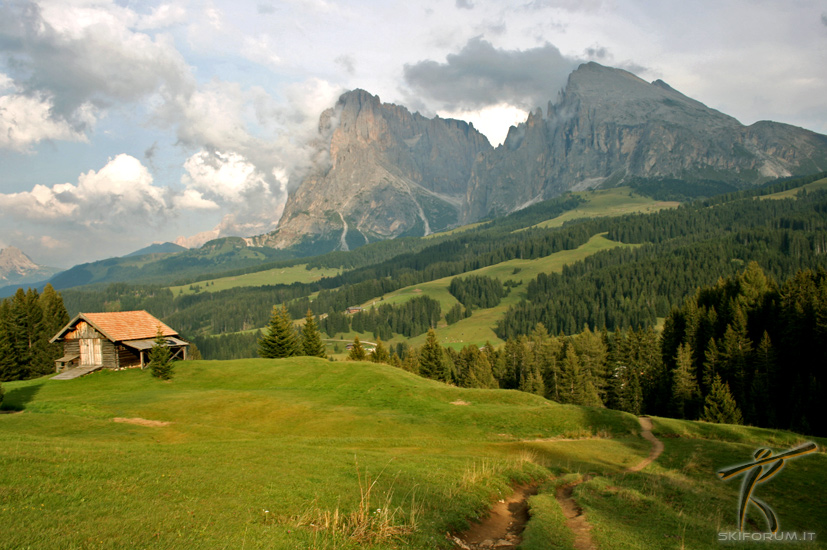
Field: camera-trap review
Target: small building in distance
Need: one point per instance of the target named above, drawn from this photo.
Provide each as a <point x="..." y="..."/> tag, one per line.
<point x="353" y="309"/>
<point x="114" y="340"/>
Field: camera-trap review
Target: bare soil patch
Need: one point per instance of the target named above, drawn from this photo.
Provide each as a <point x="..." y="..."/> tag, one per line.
<point x="503" y="525"/>
<point x="142" y="422"/>
<point x="460" y="402"/>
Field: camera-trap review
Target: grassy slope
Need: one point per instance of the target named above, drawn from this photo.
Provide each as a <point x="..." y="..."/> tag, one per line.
<point x="679" y="502"/>
<point x="791" y="193"/>
<point x="254" y="435"/>
<point x="478" y="328"/>
<point x="617" y="201"/>
<point x="278" y="276"/>
<point x="255" y="445"/>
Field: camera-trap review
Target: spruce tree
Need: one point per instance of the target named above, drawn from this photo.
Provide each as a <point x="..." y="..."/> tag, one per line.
<point x="571" y="378"/>
<point x="194" y="354"/>
<point x="684" y="386"/>
<point x="431" y="360"/>
<point x="380" y="353"/>
<point x="720" y="406"/>
<point x="280" y="340"/>
<point x="160" y="358"/>
<point x="55" y="318"/>
<point x="357" y="352"/>
<point x="312" y="344"/>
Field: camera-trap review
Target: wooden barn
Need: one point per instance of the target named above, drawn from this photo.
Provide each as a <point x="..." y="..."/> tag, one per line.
<point x="115" y="340"/>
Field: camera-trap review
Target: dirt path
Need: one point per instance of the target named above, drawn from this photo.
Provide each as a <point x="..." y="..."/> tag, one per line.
<point x="657" y="444"/>
<point x="504" y="524"/>
<point x="507" y="519"/>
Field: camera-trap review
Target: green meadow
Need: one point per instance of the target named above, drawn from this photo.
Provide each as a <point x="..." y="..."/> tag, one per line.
<point x="307" y="453"/>
<point x="791" y="193"/>
<point x="277" y="276"/>
<point x="616" y="201"/>
<point x="479" y="328"/>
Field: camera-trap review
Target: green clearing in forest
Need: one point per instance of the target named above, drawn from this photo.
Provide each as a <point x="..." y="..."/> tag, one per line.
<point x="479" y="328"/>
<point x="609" y="202"/>
<point x="791" y="193"/>
<point x="277" y="276"/>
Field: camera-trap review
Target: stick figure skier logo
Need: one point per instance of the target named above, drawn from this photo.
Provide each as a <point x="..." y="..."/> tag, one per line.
<point x="759" y="471"/>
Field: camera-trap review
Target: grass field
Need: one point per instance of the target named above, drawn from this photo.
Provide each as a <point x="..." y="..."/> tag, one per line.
<point x="478" y="329"/>
<point x="278" y="276"/>
<point x="791" y="193"/>
<point x="256" y="450"/>
<point x="609" y="202"/>
<point x="273" y="454"/>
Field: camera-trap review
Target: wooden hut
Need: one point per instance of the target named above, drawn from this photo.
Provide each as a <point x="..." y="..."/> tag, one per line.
<point x="114" y="340"/>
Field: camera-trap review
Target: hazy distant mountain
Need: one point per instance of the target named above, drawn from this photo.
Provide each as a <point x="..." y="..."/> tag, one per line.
<point x="18" y="269"/>
<point x="158" y="248"/>
<point x="390" y="173"/>
<point x="609" y="127"/>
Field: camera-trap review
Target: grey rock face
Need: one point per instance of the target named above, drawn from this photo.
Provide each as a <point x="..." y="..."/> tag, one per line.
<point x="609" y="126"/>
<point x="391" y="173"/>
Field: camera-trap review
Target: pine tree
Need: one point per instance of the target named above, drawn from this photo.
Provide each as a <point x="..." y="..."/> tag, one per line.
<point x="380" y="353"/>
<point x="160" y="360"/>
<point x="312" y="344"/>
<point x="571" y="378"/>
<point x="684" y="386"/>
<point x="55" y="318"/>
<point x="720" y="406"/>
<point x="431" y="360"/>
<point x="280" y="340"/>
<point x="357" y="352"/>
<point x="193" y="353"/>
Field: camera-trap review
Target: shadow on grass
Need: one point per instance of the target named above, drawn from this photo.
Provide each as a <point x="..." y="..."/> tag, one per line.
<point x="18" y="398"/>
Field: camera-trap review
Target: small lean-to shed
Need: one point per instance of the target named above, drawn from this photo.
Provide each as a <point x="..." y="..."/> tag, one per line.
<point x="114" y="340"/>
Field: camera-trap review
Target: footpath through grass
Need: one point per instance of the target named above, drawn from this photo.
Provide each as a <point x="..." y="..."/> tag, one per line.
<point x="268" y="454"/>
<point x="678" y="502"/>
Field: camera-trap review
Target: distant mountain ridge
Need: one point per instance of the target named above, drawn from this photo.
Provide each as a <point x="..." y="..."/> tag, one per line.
<point x="16" y="268"/>
<point x="395" y="173"/>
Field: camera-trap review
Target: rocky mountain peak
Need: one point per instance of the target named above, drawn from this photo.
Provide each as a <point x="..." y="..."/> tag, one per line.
<point x="17" y="268"/>
<point x="391" y="173"/>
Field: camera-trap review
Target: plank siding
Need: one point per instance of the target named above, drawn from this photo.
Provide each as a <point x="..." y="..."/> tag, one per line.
<point x="128" y="358"/>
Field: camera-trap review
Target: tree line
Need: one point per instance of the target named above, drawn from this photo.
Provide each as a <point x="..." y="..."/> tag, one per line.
<point x="28" y="320"/>
<point x="744" y="350"/>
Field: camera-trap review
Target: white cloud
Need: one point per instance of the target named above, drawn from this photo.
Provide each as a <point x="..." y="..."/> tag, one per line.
<point x="27" y="119"/>
<point x="123" y="189"/>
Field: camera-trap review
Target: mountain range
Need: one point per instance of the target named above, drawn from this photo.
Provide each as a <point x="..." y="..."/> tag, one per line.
<point x="392" y="173"/>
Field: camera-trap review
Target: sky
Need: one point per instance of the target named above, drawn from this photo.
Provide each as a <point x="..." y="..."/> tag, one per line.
<point x="128" y="122"/>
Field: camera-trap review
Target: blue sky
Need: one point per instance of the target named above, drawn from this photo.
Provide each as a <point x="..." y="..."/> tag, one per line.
<point x="124" y="123"/>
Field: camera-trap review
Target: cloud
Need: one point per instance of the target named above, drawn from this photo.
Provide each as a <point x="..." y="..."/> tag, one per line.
<point x="265" y="9"/>
<point x="122" y="189"/>
<point x="464" y="4"/>
<point x="824" y="19"/>
<point x="81" y="54"/>
<point x="481" y="75"/>
<point x="347" y="63"/>
<point x="27" y="119"/>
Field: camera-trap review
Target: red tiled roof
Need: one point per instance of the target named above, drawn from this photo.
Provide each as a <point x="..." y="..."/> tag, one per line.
<point x="127" y="325"/>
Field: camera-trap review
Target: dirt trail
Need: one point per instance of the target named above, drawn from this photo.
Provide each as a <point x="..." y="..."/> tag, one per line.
<point x="504" y="524"/>
<point x="657" y="444"/>
<point x="507" y="519"/>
